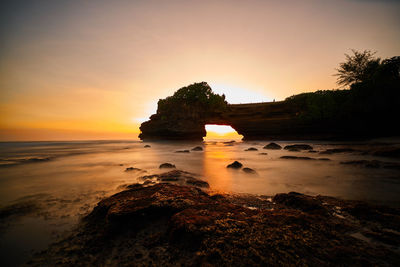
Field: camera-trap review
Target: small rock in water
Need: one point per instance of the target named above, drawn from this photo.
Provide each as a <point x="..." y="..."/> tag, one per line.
<point x="337" y="150"/>
<point x="235" y="165"/>
<point x="299" y="147"/>
<point x="272" y="146"/>
<point x="393" y="152"/>
<point x="182" y="151"/>
<point x="251" y="149"/>
<point x="325" y="159"/>
<point x="197" y="148"/>
<point x="293" y="150"/>
<point x="166" y="165"/>
<point x="229" y="142"/>
<point x="249" y="170"/>
<point x="133" y="169"/>
<point x="294" y="157"/>
<point x="263" y="153"/>
<point x="197" y="182"/>
<point x="146" y="146"/>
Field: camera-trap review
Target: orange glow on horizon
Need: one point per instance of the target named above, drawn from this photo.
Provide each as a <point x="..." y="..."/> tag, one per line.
<point x="221" y="132"/>
<point x="100" y="67"/>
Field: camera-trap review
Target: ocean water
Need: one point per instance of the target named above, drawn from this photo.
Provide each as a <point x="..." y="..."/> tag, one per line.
<point x="46" y="187"/>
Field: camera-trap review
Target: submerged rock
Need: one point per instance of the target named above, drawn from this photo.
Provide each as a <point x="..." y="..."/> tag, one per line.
<point x="170" y="225"/>
<point x="272" y="146"/>
<point x="338" y="150"/>
<point x="235" y="165"/>
<point x="166" y="166"/>
<point x="182" y="151"/>
<point x="294" y="157"/>
<point x="147" y="146"/>
<point x="324" y="159"/>
<point x="373" y="164"/>
<point x="263" y="153"/>
<point x="249" y="170"/>
<point x="299" y="147"/>
<point x="251" y="149"/>
<point x="392" y="152"/>
<point x="129" y="169"/>
<point x="197" y="148"/>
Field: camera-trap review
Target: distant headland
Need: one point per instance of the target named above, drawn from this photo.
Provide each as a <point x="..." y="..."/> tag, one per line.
<point x="369" y="107"/>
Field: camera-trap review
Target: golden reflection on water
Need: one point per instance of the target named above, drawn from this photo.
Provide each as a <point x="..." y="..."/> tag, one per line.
<point x="214" y="169"/>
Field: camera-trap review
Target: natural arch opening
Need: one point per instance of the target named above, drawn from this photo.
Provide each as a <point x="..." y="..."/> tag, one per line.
<point x="215" y="131"/>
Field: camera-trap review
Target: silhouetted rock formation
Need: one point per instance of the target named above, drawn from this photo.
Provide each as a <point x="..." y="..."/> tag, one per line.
<point x="363" y="111"/>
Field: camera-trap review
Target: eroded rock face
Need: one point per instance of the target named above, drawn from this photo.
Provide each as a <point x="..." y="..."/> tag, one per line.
<point x="170" y="225"/>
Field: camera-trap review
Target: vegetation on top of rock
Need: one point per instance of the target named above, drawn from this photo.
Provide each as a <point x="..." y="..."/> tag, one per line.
<point x="189" y="100"/>
<point x="373" y="98"/>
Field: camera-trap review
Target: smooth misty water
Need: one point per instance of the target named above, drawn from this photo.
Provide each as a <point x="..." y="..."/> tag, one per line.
<point x="77" y="175"/>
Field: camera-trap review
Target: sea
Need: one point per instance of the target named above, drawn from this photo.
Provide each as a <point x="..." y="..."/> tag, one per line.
<point x="47" y="187"/>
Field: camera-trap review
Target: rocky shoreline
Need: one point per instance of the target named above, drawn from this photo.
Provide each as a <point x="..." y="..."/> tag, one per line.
<point x="168" y="220"/>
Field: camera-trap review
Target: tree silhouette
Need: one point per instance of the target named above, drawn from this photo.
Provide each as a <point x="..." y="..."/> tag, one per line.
<point x="358" y="67"/>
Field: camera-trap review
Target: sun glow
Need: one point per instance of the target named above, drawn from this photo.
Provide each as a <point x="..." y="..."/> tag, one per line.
<point x="221" y="131"/>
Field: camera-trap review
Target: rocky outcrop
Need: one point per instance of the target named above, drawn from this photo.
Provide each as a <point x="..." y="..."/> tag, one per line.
<point x="186" y="120"/>
<point x="171" y="225"/>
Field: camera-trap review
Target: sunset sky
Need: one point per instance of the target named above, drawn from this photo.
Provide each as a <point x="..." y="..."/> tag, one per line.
<point x="96" y="69"/>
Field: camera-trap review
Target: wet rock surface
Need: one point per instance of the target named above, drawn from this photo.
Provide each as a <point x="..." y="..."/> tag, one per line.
<point x="249" y="170"/>
<point x="176" y="177"/>
<point x="298" y="147"/>
<point x="171" y="225"/>
<point x="373" y="164"/>
<point x="182" y="151"/>
<point x="272" y="146"/>
<point x="166" y="166"/>
<point x="251" y="149"/>
<point x="133" y="169"/>
<point x="338" y="150"/>
<point x="235" y="165"/>
<point x="295" y="157"/>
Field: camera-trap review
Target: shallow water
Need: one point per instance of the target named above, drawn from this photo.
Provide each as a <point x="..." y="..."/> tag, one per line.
<point x="53" y="184"/>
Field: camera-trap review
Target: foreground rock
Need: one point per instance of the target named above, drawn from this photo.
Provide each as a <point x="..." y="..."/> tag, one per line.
<point x="170" y="225"/>
<point x="251" y="149"/>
